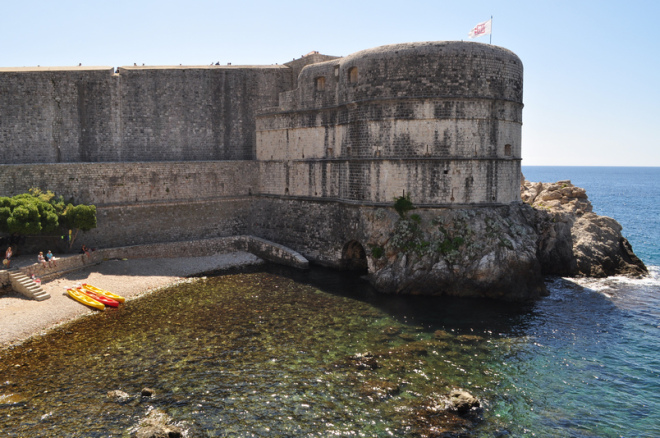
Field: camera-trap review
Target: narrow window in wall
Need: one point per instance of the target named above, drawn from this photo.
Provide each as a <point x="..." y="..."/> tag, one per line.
<point x="320" y="83"/>
<point x="507" y="150"/>
<point x="353" y="75"/>
<point x="336" y="71"/>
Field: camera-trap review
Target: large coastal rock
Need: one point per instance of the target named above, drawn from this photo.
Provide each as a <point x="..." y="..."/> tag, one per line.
<point x="497" y="252"/>
<point x="574" y="241"/>
<point x="485" y="252"/>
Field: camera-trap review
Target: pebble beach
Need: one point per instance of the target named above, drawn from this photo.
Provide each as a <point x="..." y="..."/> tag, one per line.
<point x="21" y="318"/>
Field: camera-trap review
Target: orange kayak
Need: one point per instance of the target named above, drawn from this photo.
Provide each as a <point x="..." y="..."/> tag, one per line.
<point x="103" y="292"/>
<point x="85" y="299"/>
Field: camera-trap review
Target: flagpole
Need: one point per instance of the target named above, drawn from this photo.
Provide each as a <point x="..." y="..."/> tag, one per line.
<point x="491" y="30"/>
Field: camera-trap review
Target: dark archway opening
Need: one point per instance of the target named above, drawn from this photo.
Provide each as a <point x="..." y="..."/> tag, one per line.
<point x="354" y="257"/>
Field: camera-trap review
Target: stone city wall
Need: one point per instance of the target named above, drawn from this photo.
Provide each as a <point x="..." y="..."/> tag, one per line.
<point x="395" y="128"/>
<point x="316" y="229"/>
<point x="140" y="203"/>
<point x="129" y="183"/>
<point x="68" y="115"/>
<point x="135" y="224"/>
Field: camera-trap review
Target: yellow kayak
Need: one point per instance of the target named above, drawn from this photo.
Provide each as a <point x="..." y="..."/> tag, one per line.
<point x="103" y="292"/>
<point x="85" y="299"/>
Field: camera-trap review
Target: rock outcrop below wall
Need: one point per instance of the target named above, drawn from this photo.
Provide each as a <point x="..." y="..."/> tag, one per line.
<point x="500" y="252"/>
<point x="485" y="252"/>
<point x="572" y="240"/>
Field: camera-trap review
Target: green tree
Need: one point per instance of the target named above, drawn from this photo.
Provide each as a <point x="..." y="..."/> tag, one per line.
<point x="27" y="214"/>
<point x="38" y="212"/>
<point x="79" y="218"/>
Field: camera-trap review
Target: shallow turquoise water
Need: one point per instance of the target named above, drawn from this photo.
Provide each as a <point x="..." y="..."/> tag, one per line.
<point x="263" y="355"/>
<point x="246" y="355"/>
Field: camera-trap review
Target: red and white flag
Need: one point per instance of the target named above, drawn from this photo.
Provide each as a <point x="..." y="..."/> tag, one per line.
<point x="481" y="29"/>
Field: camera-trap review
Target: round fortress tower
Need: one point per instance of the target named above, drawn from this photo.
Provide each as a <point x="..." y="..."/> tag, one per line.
<point x="440" y="121"/>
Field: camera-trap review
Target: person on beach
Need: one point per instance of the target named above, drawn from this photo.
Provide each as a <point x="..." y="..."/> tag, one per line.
<point x="41" y="259"/>
<point x="8" y="255"/>
<point x="50" y="258"/>
<point x="85" y="250"/>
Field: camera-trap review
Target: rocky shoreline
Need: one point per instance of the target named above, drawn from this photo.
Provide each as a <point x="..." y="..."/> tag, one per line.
<point x="574" y="241"/>
<point x="498" y="252"/>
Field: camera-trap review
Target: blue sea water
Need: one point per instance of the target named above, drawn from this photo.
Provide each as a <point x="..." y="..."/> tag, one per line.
<point x="592" y="363"/>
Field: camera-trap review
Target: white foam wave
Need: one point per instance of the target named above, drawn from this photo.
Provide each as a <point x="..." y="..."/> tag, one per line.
<point x="616" y="282"/>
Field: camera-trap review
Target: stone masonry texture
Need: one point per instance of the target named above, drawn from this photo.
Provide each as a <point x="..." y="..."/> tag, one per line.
<point x="298" y="154"/>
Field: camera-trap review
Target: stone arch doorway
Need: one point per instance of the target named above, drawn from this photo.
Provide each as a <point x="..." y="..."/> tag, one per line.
<point x="354" y="257"/>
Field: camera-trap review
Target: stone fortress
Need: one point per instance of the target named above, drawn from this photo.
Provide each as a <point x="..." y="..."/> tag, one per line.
<point x="301" y="154"/>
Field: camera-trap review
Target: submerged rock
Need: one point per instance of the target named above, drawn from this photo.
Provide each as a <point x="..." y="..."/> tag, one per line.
<point x="453" y="415"/>
<point x="157" y="424"/>
<point x="118" y="396"/>
<point x="470" y="339"/>
<point x="364" y="361"/>
<point x="442" y="334"/>
<point x="379" y="390"/>
<point x="462" y="401"/>
<point x="147" y="392"/>
<point x="391" y="331"/>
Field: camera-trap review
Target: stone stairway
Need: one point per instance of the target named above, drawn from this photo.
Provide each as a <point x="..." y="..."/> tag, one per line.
<point x="24" y="284"/>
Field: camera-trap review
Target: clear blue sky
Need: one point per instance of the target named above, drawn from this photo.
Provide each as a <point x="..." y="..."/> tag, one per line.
<point x="592" y="68"/>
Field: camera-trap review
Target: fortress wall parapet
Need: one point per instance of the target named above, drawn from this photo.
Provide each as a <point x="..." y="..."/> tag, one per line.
<point x="412" y="70"/>
<point x="297" y="65"/>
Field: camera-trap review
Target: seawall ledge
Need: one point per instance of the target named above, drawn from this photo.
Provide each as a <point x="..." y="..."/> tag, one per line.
<point x="262" y="248"/>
